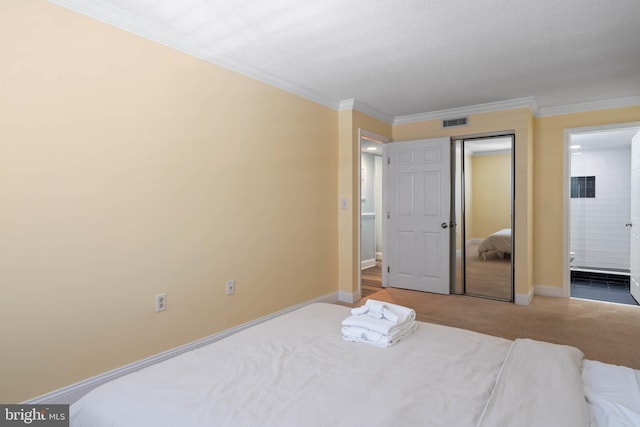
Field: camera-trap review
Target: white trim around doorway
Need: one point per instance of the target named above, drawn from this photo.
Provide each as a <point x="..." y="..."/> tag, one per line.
<point x="566" y="193"/>
<point x="365" y="134"/>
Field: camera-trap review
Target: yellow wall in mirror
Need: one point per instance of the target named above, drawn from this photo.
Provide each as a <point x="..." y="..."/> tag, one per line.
<point x="491" y="189"/>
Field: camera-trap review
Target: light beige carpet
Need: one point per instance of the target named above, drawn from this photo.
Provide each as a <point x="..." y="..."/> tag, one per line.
<point x="487" y="277"/>
<point x="606" y="332"/>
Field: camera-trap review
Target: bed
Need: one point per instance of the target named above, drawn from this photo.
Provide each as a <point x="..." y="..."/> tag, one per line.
<point x="296" y="370"/>
<point x="500" y="242"/>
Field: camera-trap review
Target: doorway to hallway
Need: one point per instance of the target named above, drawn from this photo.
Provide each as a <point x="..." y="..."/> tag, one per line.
<point x="371" y="247"/>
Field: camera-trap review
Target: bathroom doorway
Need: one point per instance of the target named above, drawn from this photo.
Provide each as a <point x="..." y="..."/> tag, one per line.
<point x="599" y="201"/>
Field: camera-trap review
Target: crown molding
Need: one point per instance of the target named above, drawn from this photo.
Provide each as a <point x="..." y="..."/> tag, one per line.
<point x="131" y="23"/>
<point x="354" y="104"/>
<point x="584" y="107"/>
<point x="529" y="102"/>
<point x="347" y="104"/>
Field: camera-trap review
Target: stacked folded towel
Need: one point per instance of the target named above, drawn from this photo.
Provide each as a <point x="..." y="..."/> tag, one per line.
<point x="378" y="323"/>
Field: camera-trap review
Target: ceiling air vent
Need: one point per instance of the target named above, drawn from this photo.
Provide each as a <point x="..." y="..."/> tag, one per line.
<point x="450" y="123"/>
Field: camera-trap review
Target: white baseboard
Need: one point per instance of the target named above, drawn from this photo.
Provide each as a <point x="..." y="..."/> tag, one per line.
<point x="549" y="291"/>
<point x="524" y="299"/>
<point x="367" y="263"/>
<point x="378" y="256"/>
<point x="73" y="392"/>
<point x="349" y="298"/>
<point x="542" y="290"/>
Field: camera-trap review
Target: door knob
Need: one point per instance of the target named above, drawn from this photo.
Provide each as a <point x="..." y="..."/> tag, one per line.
<point x="444" y="225"/>
<point x="628" y="224"/>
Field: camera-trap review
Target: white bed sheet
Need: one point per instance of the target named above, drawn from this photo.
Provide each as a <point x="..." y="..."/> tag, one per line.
<point x="296" y="370"/>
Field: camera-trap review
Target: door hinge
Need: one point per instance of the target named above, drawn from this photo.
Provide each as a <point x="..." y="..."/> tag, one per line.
<point x="388" y="215"/>
<point x="388" y="160"/>
<point x="388" y="269"/>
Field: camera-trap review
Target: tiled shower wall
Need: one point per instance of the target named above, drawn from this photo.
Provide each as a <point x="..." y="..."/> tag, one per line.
<point x="598" y="233"/>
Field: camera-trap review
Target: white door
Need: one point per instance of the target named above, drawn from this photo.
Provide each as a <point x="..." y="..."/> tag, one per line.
<point x="635" y="217"/>
<point x="418" y="208"/>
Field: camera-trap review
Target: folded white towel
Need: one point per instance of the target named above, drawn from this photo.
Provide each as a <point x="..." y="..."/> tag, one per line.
<point x="361" y="335"/>
<point x="382" y="326"/>
<point x="403" y="313"/>
<point x="374" y="305"/>
<point x="375" y="314"/>
<point x="390" y="315"/>
<point x="381" y="317"/>
<point x="363" y="309"/>
<point x="379" y="310"/>
<point x="352" y="333"/>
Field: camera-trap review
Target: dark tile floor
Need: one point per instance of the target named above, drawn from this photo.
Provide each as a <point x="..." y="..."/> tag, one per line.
<point x="601" y="287"/>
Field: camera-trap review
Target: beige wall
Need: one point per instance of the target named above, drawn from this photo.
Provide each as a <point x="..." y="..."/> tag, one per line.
<point x="129" y="169"/>
<point x="548" y="194"/>
<point x="520" y="122"/>
<point x="490" y="210"/>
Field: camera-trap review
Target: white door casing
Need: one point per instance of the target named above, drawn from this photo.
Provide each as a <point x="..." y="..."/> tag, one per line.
<point x="635" y="218"/>
<point x="418" y="195"/>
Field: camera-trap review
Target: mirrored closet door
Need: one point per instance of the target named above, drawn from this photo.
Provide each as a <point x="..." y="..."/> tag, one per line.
<point x="482" y="203"/>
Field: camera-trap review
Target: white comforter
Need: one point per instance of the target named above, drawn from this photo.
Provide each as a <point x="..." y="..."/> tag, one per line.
<point x="500" y="241"/>
<point x="296" y="370"/>
<point x="612" y="393"/>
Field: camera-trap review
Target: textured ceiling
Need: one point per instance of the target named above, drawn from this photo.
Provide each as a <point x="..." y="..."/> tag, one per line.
<point x="404" y="57"/>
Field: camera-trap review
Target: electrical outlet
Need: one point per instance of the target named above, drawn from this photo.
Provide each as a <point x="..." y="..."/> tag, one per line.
<point x="161" y="302"/>
<point x="231" y="287"/>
